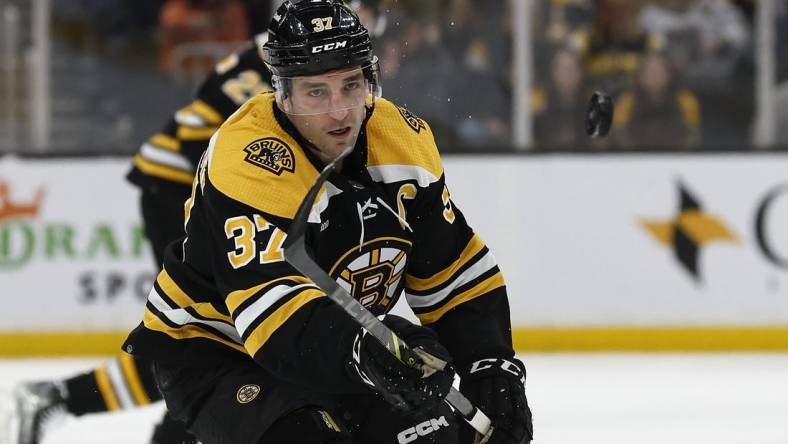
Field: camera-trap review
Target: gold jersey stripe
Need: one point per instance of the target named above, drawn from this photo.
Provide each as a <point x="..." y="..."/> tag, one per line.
<point x="152" y="322"/>
<point x="475" y="245"/>
<point x="163" y="172"/>
<point x="482" y="288"/>
<point x="207" y="112"/>
<point x="208" y="311"/>
<point x="106" y="390"/>
<point x="238" y="297"/>
<point x="266" y="329"/>
<point x="165" y="141"/>
<point x="133" y="380"/>
<point x="172" y="290"/>
<point x="187" y="133"/>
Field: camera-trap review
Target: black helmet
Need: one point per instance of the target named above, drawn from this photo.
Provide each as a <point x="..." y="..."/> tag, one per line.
<point x="308" y="37"/>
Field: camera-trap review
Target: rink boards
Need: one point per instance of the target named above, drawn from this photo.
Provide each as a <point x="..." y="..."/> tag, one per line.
<point x="608" y="252"/>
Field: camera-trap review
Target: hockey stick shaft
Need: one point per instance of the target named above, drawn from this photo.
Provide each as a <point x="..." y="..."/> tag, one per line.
<point x="296" y="254"/>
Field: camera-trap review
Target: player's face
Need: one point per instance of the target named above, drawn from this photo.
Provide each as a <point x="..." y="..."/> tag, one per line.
<point x="328" y="110"/>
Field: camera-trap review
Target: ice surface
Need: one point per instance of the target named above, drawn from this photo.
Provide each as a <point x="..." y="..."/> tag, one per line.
<point x="584" y="398"/>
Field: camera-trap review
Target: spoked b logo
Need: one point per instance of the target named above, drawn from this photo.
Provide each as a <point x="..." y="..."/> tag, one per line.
<point x="373" y="274"/>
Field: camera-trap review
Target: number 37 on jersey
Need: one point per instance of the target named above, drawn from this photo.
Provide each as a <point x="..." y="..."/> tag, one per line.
<point x="243" y="231"/>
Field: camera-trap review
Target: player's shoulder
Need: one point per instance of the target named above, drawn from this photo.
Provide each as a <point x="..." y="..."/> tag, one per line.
<point x="244" y="58"/>
<point x="253" y="160"/>
<point x="398" y="139"/>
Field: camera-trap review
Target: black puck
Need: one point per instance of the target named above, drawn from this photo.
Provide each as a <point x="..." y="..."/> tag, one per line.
<point x="600" y="115"/>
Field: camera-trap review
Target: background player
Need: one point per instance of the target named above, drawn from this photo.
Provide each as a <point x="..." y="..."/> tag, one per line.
<point x="163" y="170"/>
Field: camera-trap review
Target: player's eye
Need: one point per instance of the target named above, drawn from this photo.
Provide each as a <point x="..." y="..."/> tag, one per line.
<point x="316" y="92"/>
<point x="352" y="86"/>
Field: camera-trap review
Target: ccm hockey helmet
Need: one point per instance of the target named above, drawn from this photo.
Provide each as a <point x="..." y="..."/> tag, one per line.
<point x="311" y="37"/>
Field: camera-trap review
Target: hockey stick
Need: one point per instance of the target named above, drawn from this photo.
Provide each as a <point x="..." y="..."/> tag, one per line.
<point x="296" y="254"/>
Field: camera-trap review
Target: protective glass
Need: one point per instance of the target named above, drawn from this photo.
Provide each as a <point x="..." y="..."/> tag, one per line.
<point x="330" y="92"/>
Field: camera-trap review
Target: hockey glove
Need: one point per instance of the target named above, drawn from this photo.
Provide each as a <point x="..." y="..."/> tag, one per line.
<point x="497" y="387"/>
<point x="409" y="389"/>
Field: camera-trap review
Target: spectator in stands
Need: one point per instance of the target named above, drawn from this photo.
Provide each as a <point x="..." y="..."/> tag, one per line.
<point x="559" y="108"/>
<point x="191" y="21"/>
<point x="614" y="45"/>
<point x="420" y="78"/>
<point x="559" y="20"/>
<point x="479" y="103"/>
<point x="711" y="41"/>
<point x="708" y="36"/>
<point x="658" y="112"/>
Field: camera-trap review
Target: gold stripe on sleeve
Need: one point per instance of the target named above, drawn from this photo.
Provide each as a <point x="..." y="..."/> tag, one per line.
<point x="106" y="389"/>
<point x="207" y="112"/>
<point x="152" y="322"/>
<point x="165" y="141"/>
<point x="238" y="297"/>
<point x="266" y="329"/>
<point x="133" y="380"/>
<point x="163" y="172"/>
<point x="187" y="133"/>
<point x="474" y="246"/>
<point x="174" y="292"/>
<point x="480" y="289"/>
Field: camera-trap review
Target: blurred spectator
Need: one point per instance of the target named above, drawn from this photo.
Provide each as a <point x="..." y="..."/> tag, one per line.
<point x="614" y="45"/>
<point x="192" y="21"/>
<point x="706" y="36"/>
<point x="711" y="40"/>
<point x="479" y="103"/>
<point x="416" y="70"/>
<point x="559" y="108"/>
<point x="658" y="112"/>
<point x="559" y="20"/>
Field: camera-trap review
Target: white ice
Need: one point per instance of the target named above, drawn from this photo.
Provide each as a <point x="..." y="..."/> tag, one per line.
<point x="576" y="399"/>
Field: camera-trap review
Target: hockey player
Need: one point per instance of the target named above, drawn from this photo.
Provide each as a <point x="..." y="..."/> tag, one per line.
<point x="163" y="170"/>
<point x="247" y="350"/>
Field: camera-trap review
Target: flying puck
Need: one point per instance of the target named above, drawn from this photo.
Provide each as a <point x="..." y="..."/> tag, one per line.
<point x="600" y="115"/>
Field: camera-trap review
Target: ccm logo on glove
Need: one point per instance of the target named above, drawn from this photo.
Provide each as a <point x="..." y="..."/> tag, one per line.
<point x="503" y="364"/>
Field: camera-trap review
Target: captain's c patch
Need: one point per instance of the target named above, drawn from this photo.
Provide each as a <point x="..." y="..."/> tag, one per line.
<point x="414" y="122"/>
<point x="270" y="154"/>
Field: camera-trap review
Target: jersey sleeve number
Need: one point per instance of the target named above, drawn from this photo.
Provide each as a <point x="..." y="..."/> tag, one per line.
<point x="242" y="87"/>
<point x="243" y="232"/>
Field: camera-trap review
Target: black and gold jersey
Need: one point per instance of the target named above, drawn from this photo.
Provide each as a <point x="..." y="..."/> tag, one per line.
<point x="171" y="155"/>
<point x="383" y="227"/>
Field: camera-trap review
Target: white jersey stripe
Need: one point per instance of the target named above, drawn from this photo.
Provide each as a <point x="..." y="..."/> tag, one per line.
<point x="397" y="173"/>
<point x="119" y="384"/>
<point x="190" y="119"/>
<point x="247" y="317"/>
<point x="481" y="266"/>
<point x="166" y="157"/>
<point x="182" y="317"/>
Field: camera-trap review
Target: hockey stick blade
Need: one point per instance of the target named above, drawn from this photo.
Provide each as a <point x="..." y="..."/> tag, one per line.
<point x="296" y="254"/>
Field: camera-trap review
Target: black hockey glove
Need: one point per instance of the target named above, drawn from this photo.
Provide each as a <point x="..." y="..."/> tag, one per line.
<point x="409" y="389"/>
<point x="497" y="387"/>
